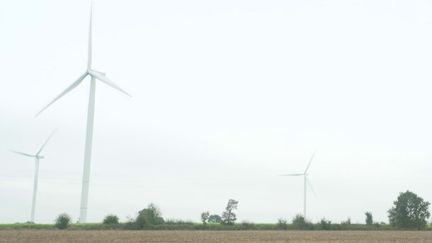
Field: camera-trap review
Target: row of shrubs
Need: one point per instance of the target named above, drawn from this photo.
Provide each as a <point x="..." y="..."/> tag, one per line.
<point x="237" y="226"/>
<point x="409" y="212"/>
<point x="147" y="217"/>
<point x="151" y="219"/>
<point x="300" y="223"/>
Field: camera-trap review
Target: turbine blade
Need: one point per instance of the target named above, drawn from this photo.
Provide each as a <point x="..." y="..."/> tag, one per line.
<point x="71" y="87"/>
<point x="46" y="141"/>
<point x="89" y="61"/>
<point x="297" y="174"/>
<point x="311" y="187"/>
<point x="107" y="81"/>
<point x="310" y="162"/>
<point x="21" y="153"/>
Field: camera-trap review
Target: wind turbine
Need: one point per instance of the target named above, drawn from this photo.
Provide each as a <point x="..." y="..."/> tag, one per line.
<point x="37" y="157"/>
<point x="305" y="182"/>
<point x="94" y="75"/>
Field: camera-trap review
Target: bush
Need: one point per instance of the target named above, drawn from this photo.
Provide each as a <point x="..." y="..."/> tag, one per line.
<point x="130" y="224"/>
<point x="149" y="216"/>
<point x="299" y="222"/>
<point x="111" y="220"/>
<point x="62" y="221"/>
<point x="325" y="224"/>
<point x="282" y="224"/>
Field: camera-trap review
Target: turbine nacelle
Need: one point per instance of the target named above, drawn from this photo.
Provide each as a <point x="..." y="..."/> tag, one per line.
<point x="104" y="79"/>
<point x="97" y="75"/>
<point x="295" y="174"/>
<point x="37" y="155"/>
<point x="90" y="71"/>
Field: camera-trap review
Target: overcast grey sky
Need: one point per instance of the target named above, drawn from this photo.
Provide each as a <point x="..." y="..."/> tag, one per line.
<point x="227" y="95"/>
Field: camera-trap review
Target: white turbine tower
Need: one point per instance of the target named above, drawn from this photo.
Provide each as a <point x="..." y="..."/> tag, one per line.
<point x="306" y="182"/>
<point x="36" y="157"/>
<point x="94" y="75"/>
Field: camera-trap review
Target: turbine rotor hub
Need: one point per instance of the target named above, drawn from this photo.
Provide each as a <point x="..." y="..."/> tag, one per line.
<point x="92" y="72"/>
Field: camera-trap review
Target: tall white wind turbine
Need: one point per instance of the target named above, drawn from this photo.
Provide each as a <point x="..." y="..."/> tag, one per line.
<point x="94" y="75"/>
<point x="36" y="157"/>
<point x="306" y="182"/>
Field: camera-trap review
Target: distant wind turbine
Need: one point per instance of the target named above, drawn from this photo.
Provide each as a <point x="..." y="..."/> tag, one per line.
<point x="37" y="157"/>
<point x="94" y="75"/>
<point x="306" y="182"/>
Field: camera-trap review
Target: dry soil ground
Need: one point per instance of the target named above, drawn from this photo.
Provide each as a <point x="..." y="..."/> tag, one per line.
<point x="48" y="236"/>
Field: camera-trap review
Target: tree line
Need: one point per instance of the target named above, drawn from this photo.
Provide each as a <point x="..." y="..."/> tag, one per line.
<point x="409" y="211"/>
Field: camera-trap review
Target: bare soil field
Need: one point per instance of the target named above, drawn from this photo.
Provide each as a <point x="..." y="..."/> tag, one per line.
<point x="58" y="236"/>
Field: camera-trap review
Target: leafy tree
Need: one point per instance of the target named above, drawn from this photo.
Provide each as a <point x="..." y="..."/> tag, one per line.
<point x="111" y="220"/>
<point x="214" y="219"/>
<point x="149" y="216"/>
<point x="369" y="218"/>
<point x="204" y="217"/>
<point x="409" y="211"/>
<point x="62" y="221"/>
<point x="228" y="216"/>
